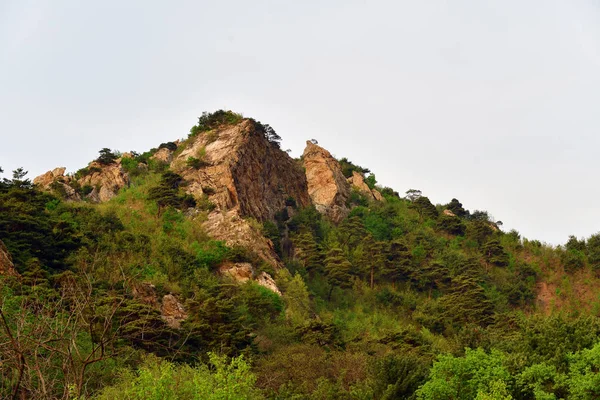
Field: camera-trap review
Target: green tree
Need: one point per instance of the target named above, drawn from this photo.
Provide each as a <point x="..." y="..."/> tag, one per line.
<point x="107" y="156"/>
<point x="466" y="378"/>
<point x="398" y="264"/>
<point x="494" y="253"/>
<point x="161" y="380"/>
<point x="337" y="270"/>
<point x="457" y="208"/>
<point x="593" y="249"/>
<point x="425" y="208"/>
<point x="308" y="252"/>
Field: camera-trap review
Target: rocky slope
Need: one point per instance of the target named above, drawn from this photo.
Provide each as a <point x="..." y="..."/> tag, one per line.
<point x="245" y="171"/>
<point x="240" y="172"/>
<point x="327" y="186"/>
<point x="105" y="181"/>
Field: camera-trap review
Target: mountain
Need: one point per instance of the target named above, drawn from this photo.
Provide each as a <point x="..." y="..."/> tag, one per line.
<point x="220" y="267"/>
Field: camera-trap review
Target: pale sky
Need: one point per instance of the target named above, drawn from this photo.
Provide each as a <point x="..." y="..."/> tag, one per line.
<point x="496" y="103"/>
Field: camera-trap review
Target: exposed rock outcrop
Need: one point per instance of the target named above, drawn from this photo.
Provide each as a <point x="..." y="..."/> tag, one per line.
<point x="449" y="213"/>
<point x="243" y="272"/>
<point x="106" y="180"/>
<point x="327" y="186"/>
<point x="358" y="181"/>
<point x="45" y="180"/>
<point x="243" y="170"/>
<point x="234" y="230"/>
<point x="163" y="155"/>
<point x="6" y="264"/>
<point x="244" y="175"/>
<point x="57" y="181"/>
<point x="172" y="311"/>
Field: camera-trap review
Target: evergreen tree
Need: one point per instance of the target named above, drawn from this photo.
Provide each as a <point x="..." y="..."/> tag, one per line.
<point x="106" y="156"/>
<point x="398" y="262"/>
<point x="373" y="257"/>
<point x="466" y="302"/>
<point x="309" y="253"/>
<point x="425" y="208"/>
<point x="457" y="208"/>
<point x="494" y="253"/>
<point x="337" y="270"/>
<point x="593" y="249"/>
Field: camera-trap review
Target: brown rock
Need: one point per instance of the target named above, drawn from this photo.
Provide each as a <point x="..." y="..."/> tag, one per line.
<point x="244" y="272"/>
<point x="146" y="293"/>
<point x="241" y="272"/>
<point x="266" y="280"/>
<point x="6" y="264"/>
<point x="449" y="213"/>
<point x="358" y="181"/>
<point x="45" y="180"/>
<point x="172" y="311"/>
<point x="106" y="181"/>
<point x="327" y="186"/>
<point x="245" y="171"/>
<point x="164" y="155"/>
<point x="234" y="230"/>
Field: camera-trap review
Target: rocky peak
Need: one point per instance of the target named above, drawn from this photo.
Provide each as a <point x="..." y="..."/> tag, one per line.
<point x="327" y="186"/>
<point x="6" y="264"/>
<point x="242" y="170"/>
<point x="358" y="181"/>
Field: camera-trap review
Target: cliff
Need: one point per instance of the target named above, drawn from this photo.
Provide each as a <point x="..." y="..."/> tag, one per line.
<point x="327" y="186"/>
<point x="239" y="169"/>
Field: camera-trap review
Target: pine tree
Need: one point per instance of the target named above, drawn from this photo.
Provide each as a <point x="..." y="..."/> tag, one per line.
<point x="397" y="265"/>
<point x="351" y="232"/>
<point x="466" y="302"/>
<point x="308" y="252"/>
<point x="424" y="207"/>
<point x="373" y="258"/>
<point x="494" y="253"/>
<point x="337" y="269"/>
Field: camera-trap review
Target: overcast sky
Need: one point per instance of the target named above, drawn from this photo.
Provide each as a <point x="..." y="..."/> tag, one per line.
<point x="496" y="103"/>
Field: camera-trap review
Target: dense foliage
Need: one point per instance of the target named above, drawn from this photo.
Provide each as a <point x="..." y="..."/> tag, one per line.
<point x="403" y="299"/>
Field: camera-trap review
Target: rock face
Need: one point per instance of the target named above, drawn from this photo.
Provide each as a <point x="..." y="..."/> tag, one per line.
<point x="327" y="186"/>
<point x="164" y="155"/>
<point x="358" y="181"/>
<point x="6" y="264"/>
<point x="241" y="170"/>
<point x="56" y="180"/>
<point x="106" y="181"/>
<point x="172" y="311"/>
<point x="243" y="272"/>
<point x="244" y="175"/>
<point x="234" y="230"/>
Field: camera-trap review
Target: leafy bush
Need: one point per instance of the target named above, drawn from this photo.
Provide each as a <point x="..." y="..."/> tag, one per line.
<point x="157" y="379"/>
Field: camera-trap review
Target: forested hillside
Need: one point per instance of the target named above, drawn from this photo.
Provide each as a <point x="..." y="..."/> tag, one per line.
<point x="218" y="267"/>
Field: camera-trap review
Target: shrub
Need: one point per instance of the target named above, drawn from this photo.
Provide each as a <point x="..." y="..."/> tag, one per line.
<point x="169" y="145"/>
<point x="158" y="379"/>
<point x="209" y="121"/>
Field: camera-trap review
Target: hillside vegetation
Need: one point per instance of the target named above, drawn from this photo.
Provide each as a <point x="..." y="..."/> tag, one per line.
<point x="399" y="299"/>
